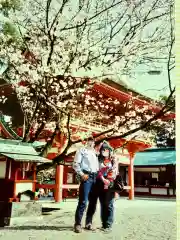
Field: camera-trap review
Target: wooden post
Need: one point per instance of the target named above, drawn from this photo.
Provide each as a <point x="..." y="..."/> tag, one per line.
<point x="9" y="173"/>
<point x="15" y="178"/>
<point x="65" y="175"/>
<point x="59" y="183"/>
<point x="34" y="177"/>
<point x="131" y="176"/>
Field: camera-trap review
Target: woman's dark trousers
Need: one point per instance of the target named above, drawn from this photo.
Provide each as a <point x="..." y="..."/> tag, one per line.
<point x="106" y="198"/>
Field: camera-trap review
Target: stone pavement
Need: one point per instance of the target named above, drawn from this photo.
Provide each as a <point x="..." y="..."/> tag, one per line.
<point x="134" y="220"/>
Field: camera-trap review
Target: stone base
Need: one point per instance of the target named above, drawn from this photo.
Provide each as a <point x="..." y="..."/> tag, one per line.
<point x="15" y="210"/>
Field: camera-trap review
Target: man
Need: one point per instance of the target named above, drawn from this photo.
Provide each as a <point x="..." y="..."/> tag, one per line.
<point x="86" y="166"/>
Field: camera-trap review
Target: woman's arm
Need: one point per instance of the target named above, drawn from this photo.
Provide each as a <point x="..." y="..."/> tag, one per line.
<point x="100" y="175"/>
<point x="115" y="168"/>
<point x="101" y="172"/>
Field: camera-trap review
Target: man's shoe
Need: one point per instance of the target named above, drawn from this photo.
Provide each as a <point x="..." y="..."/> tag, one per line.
<point x="77" y="229"/>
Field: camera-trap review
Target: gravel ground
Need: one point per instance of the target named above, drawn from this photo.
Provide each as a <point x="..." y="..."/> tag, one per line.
<point x="134" y="220"/>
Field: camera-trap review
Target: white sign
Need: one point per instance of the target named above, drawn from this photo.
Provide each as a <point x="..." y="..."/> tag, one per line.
<point x="3" y="169"/>
<point x="155" y="175"/>
<point x="70" y="178"/>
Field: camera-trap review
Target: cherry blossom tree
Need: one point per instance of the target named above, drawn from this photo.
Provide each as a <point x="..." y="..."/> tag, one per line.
<point x="65" y="47"/>
<point x="164" y="132"/>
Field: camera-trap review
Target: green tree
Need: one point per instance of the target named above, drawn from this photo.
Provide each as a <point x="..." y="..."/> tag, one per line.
<point x="8" y="27"/>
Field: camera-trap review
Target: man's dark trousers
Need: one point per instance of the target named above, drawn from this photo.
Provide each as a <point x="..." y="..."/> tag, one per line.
<point x="86" y="190"/>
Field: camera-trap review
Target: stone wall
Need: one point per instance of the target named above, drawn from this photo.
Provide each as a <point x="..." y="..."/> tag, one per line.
<point x="9" y="211"/>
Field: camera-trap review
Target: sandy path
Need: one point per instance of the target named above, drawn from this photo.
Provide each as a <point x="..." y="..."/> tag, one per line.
<point x="134" y="220"/>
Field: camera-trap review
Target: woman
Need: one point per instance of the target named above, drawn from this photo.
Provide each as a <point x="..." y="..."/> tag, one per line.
<point x="105" y="180"/>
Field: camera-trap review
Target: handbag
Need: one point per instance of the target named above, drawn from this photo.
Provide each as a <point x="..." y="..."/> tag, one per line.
<point x="118" y="185"/>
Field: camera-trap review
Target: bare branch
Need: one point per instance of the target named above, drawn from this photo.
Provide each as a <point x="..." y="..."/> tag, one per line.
<point x="52" y="42"/>
<point x="91" y="18"/>
<point x="58" y="13"/>
<point x="172" y="39"/>
<point x="48" y="3"/>
<point x="68" y="128"/>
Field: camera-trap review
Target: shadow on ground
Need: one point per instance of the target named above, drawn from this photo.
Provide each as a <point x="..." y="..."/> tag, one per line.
<point x="173" y="199"/>
<point x="48" y="209"/>
<point x="43" y="227"/>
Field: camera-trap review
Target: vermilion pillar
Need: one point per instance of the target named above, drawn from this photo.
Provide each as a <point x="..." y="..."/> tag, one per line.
<point x="59" y="140"/>
<point x="131" y="176"/>
<point x="59" y="183"/>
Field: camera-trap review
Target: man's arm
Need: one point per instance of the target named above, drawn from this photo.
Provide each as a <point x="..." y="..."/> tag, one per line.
<point x="77" y="163"/>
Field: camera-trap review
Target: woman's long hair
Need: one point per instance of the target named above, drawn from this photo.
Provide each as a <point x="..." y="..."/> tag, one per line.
<point x="104" y="146"/>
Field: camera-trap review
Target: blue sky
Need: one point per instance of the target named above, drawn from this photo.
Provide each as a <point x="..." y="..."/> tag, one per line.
<point x="150" y="85"/>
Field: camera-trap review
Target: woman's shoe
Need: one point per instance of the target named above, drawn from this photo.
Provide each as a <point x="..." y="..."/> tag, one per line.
<point x="107" y="230"/>
<point x="89" y="227"/>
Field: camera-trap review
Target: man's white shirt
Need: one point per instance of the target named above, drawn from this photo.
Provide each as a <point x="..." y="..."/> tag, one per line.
<point x="85" y="159"/>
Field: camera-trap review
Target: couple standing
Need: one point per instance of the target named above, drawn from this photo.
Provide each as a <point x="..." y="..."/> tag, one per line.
<point x="97" y="175"/>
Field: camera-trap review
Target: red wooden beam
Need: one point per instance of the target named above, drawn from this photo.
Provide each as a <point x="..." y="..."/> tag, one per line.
<point x="48" y="186"/>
